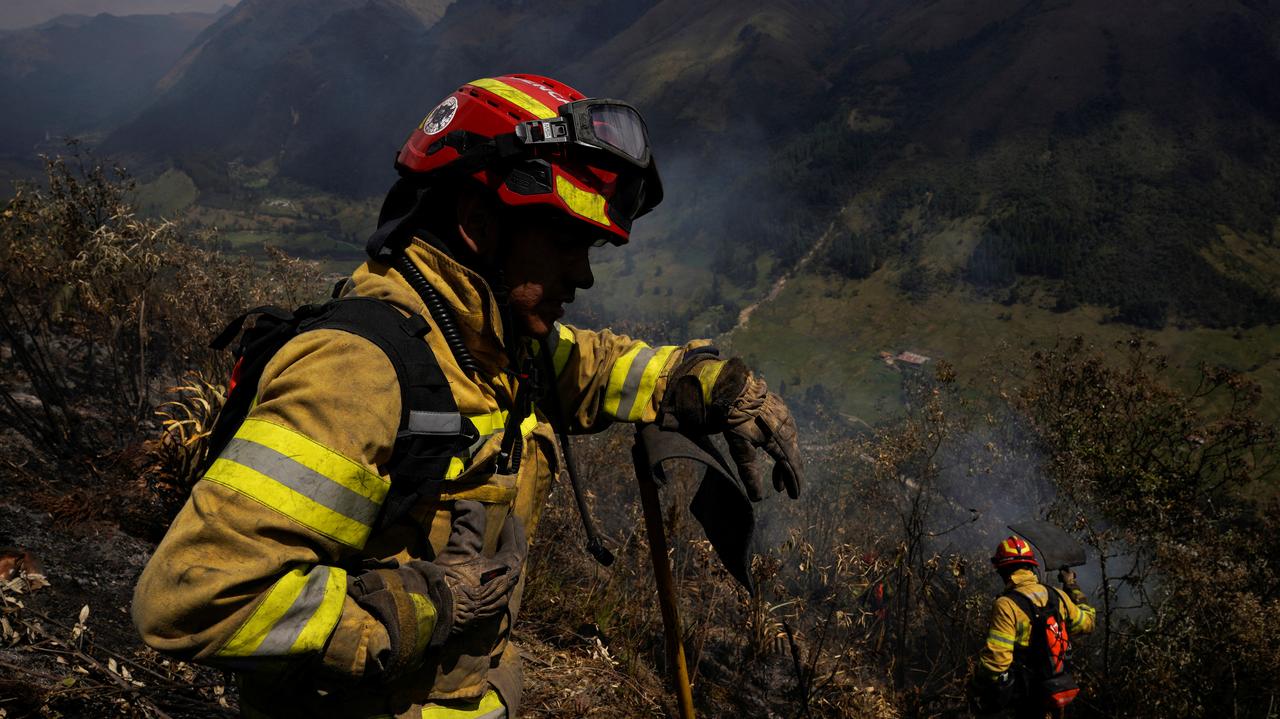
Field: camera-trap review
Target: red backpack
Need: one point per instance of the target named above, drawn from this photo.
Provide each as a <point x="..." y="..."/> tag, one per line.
<point x="1046" y="661"/>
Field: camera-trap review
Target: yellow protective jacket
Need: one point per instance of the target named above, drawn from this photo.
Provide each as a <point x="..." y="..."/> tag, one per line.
<point x="1011" y="627"/>
<point x="253" y="572"/>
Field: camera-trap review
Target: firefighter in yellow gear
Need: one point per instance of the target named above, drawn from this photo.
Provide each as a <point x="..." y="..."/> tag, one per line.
<point x="1009" y="633"/>
<point x="278" y="568"/>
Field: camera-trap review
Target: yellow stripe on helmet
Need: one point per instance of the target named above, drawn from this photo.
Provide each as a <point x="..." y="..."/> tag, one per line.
<point x="515" y="97"/>
<point x="584" y="203"/>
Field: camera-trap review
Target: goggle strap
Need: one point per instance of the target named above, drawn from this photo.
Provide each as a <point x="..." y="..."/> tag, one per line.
<point x="476" y="151"/>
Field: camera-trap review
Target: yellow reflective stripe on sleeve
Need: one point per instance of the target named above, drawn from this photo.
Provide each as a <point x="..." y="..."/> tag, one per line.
<point x="316" y="457"/>
<point x="294" y="505"/>
<point x="425" y="612"/>
<point x="295" y="616"/>
<point x="515" y="97"/>
<point x="563" y="348"/>
<point x="302" y="479"/>
<point x="489" y="707"/>
<point x="618" y="378"/>
<point x="1000" y="638"/>
<point x="582" y="202"/>
<point x="649" y="381"/>
<point x="633" y="379"/>
<point x="708" y="373"/>
<point x="1079" y="622"/>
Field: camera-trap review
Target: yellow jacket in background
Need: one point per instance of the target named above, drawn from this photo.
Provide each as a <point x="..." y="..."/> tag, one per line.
<point x="252" y="575"/>
<point x="1011" y="627"/>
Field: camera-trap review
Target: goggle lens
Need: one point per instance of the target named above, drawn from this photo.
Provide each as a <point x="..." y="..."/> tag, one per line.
<point x="620" y="127"/>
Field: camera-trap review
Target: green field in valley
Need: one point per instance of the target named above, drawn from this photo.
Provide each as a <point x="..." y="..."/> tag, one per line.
<point x="831" y="332"/>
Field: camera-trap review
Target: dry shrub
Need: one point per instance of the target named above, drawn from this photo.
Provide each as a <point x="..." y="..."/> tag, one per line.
<point x="100" y="309"/>
<point x="1160" y="483"/>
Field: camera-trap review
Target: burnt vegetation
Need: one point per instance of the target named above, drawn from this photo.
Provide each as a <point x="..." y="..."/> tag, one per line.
<point x="873" y="588"/>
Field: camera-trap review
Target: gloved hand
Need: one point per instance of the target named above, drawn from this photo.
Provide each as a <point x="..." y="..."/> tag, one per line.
<point x="480" y="586"/>
<point x="990" y="694"/>
<point x="1068" y="580"/>
<point x="708" y="395"/>
<point x="422" y="604"/>
<point x="413" y="606"/>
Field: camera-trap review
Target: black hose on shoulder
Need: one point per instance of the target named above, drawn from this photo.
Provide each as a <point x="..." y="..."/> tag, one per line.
<point x="439" y="312"/>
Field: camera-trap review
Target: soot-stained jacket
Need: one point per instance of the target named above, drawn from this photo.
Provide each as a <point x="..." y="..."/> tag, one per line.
<point x="253" y="573"/>
<point x="1011" y="627"/>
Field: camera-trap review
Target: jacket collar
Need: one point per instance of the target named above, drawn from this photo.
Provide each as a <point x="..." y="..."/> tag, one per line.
<point x="464" y="291"/>
<point x="1022" y="578"/>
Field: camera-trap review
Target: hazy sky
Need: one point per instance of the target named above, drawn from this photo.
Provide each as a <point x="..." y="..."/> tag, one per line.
<point x="22" y="13"/>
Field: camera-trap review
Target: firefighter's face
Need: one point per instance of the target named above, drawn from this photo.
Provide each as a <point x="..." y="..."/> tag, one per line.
<point x="546" y="263"/>
<point x="543" y="256"/>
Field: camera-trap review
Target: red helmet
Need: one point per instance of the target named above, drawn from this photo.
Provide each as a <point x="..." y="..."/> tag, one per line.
<point x="535" y="141"/>
<point x="1012" y="552"/>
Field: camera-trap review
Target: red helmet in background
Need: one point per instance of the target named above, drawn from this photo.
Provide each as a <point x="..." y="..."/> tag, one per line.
<point x="538" y="142"/>
<point x="1014" y="551"/>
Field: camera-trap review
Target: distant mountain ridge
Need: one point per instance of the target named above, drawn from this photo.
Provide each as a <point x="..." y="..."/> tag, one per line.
<point x="28" y="13"/>
<point x="82" y="74"/>
<point x="1096" y="145"/>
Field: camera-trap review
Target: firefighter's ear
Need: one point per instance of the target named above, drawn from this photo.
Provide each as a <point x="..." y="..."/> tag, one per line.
<point x="478" y="223"/>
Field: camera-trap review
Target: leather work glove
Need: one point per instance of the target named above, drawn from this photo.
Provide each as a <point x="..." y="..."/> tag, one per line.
<point x="708" y="395"/>
<point x="423" y="604"/>
<point x="480" y="586"/>
<point x="412" y="604"/>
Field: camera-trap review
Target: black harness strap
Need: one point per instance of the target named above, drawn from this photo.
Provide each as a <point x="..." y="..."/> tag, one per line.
<point x="431" y="430"/>
<point x="1039" y="617"/>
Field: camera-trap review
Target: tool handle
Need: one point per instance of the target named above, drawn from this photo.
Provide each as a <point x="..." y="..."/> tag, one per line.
<point x="662" y="573"/>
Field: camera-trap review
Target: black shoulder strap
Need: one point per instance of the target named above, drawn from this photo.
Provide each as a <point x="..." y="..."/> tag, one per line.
<point x="399" y="337"/>
<point x="431" y="430"/>
<point x="1028" y="607"/>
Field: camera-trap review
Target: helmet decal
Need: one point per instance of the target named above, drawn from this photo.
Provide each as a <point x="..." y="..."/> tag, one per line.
<point x="515" y="97"/>
<point x="439" y="119"/>
<point x="584" y="203"/>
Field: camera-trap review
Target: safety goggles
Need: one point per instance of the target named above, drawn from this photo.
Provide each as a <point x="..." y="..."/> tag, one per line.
<point x="610" y="129"/>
